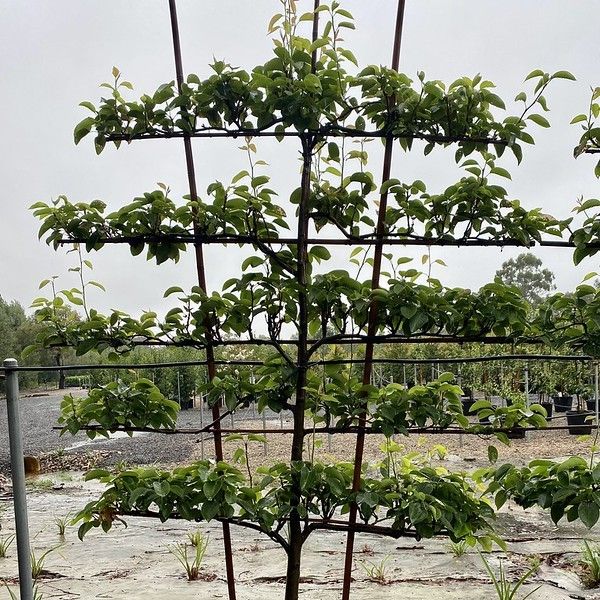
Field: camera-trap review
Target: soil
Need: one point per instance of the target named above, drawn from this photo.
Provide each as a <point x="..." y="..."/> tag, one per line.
<point x="135" y="562"/>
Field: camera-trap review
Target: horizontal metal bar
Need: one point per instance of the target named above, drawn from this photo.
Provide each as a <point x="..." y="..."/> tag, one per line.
<point x="324" y="132"/>
<point x="349" y="361"/>
<point x="485" y="431"/>
<point x="389" y="241"/>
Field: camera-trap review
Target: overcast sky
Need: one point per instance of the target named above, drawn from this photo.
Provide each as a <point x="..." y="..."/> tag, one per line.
<point x="54" y="53"/>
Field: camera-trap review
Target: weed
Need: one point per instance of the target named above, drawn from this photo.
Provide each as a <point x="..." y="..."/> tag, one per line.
<point x="192" y="563"/>
<point x="367" y="549"/>
<point x="196" y="538"/>
<point x="5" y="543"/>
<point x="590" y="559"/>
<point x="535" y="562"/>
<point x="376" y="571"/>
<point x="505" y="589"/>
<point x="37" y="564"/>
<point x="43" y="485"/>
<point x="37" y="595"/>
<point x="458" y="549"/>
<point x="62" y="523"/>
<point x="121" y="465"/>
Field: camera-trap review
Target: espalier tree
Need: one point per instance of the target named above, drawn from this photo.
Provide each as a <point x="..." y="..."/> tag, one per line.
<point x="311" y="91"/>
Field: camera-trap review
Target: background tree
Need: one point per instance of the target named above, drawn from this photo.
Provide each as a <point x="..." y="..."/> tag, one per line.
<point x="527" y="273"/>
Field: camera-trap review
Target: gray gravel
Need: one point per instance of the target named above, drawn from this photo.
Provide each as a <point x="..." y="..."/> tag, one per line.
<point x="39" y="415"/>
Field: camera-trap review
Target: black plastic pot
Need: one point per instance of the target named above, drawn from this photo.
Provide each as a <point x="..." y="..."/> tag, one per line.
<point x="577" y="422"/>
<point x="467" y="403"/>
<point x="516" y="434"/>
<point x="591" y="405"/>
<point x="548" y="406"/>
<point x="562" y="403"/>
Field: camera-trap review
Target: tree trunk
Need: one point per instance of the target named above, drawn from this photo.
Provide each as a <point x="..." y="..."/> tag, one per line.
<point x="61" y="374"/>
<point x="292" y="580"/>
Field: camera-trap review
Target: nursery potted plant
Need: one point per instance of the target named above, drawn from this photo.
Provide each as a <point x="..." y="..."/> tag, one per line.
<point x="580" y="420"/>
<point x="563" y="402"/>
<point x="467" y="400"/>
<point x="512" y="419"/>
<point x="544" y="385"/>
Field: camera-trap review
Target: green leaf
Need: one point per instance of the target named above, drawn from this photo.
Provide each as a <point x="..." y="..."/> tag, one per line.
<point x="174" y="289"/>
<point x="83" y="128"/>
<point x="334" y="151"/>
<point x="578" y="119"/>
<point x="588" y="513"/>
<point x="500" y="172"/>
<point x="162" y="488"/>
<point x="564" y="75"/>
<point x="492" y="454"/>
<point x="539" y="120"/>
<point x="252" y="261"/>
<point x="535" y="73"/>
<point x="320" y="253"/>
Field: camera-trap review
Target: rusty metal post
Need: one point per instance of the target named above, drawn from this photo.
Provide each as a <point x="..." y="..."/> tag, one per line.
<point x="199" y="254"/>
<point x="372" y="323"/>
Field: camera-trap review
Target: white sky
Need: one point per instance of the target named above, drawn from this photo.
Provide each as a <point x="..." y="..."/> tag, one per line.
<point x="54" y="53"/>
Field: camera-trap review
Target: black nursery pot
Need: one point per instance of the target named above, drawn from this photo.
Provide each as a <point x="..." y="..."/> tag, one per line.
<point x="591" y="405"/>
<point x="548" y="406"/>
<point x="562" y="403"/>
<point x="467" y="403"/>
<point x="516" y="434"/>
<point x="578" y="425"/>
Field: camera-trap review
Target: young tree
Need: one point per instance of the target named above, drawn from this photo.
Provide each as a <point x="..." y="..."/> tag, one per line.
<point x="527" y="274"/>
<point x="311" y="91"/>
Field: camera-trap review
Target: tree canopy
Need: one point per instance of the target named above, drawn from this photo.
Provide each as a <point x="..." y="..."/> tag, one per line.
<point x="527" y="273"/>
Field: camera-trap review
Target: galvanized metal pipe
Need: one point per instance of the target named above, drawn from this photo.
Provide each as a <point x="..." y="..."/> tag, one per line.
<point x="17" y="467"/>
<point x="526" y="373"/>
<point x="596" y="389"/>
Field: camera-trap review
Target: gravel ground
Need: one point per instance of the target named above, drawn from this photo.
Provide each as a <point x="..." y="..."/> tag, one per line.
<point x="39" y="414"/>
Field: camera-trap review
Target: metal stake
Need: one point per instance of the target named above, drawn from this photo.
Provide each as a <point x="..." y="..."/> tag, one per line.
<point x="526" y="373"/>
<point x="202" y="425"/>
<point x="596" y="389"/>
<point x="264" y="420"/>
<point x="17" y="467"/>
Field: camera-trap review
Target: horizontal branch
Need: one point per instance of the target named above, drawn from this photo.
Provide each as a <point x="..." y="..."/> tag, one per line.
<point x="467" y="359"/>
<point x="350" y="241"/>
<point x="341" y="361"/>
<point x="311" y="525"/>
<point x="322" y="132"/>
<point x="481" y="430"/>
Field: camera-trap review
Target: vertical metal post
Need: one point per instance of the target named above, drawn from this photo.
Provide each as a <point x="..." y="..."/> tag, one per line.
<point x="17" y="467"/>
<point x="596" y="389"/>
<point x="264" y="420"/>
<point x="459" y="383"/>
<point x="404" y="375"/>
<point x="178" y="389"/>
<point x="202" y="425"/>
<point x="526" y="374"/>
